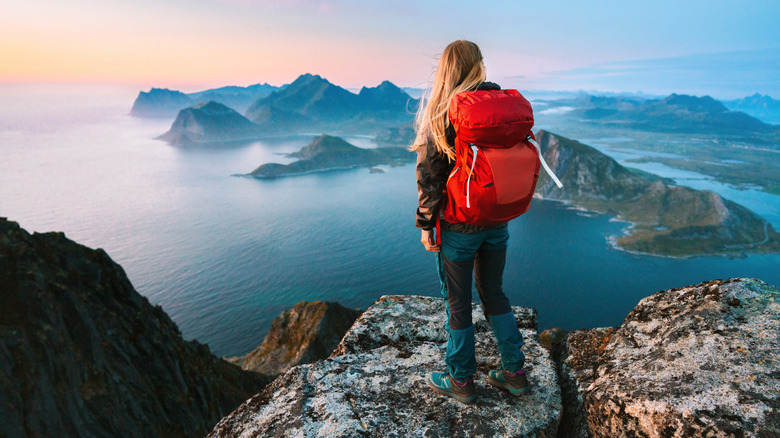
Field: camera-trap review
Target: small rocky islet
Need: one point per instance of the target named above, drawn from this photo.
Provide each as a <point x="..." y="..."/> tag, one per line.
<point x="83" y="354"/>
<point x="326" y="153"/>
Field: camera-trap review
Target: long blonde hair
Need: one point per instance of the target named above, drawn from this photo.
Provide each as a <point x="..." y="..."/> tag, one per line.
<point x="460" y="68"/>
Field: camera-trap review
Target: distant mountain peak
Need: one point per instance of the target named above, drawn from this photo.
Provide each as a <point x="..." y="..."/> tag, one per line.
<point x="214" y="108"/>
<point x="308" y="78"/>
<point x="694" y="103"/>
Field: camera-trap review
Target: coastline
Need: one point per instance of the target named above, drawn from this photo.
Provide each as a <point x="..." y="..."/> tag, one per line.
<point x="629" y="228"/>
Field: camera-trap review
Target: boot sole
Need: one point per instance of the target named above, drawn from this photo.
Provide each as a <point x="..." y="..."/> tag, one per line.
<point x="517" y="392"/>
<point x="465" y="400"/>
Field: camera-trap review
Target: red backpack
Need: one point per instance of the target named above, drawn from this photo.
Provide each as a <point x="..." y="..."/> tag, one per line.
<point x="497" y="159"/>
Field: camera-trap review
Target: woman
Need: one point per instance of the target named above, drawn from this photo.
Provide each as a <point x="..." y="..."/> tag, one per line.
<point x="464" y="248"/>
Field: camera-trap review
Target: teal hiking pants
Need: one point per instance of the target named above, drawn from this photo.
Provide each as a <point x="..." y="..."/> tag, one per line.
<point x="482" y="255"/>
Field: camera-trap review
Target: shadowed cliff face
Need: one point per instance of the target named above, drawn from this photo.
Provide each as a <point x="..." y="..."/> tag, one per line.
<point x="306" y="333"/>
<point x="83" y="354"/>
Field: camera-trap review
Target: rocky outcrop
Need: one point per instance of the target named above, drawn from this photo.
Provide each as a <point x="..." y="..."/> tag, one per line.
<point x="667" y="220"/>
<point x="695" y="361"/>
<point x="304" y="334"/>
<point x="373" y="384"/>
<point x="83" y="354"/>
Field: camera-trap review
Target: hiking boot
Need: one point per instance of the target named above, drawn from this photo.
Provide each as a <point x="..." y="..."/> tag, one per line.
<point x="444" y="384"/>
<point x="515" y="383"/>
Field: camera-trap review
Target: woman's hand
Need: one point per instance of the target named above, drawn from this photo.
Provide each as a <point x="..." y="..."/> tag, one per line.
<point x="429" y="241"/>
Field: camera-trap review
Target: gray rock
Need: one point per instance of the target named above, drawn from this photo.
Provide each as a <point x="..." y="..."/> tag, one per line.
<point x="697" y="361"/>
<point x="407" y="319"/>
<point x="373" y="384"/>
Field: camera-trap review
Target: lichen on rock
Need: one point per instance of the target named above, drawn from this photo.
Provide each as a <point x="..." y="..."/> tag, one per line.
<point x="695" y="361"/>
<point x="373" y="384"/>
<point x="577" y="370"/>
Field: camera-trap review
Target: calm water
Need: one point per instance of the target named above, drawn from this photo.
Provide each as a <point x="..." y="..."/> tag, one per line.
<point x="224" y="255"/>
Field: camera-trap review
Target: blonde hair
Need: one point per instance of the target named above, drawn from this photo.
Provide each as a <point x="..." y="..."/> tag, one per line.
<point x="460" y="68"/>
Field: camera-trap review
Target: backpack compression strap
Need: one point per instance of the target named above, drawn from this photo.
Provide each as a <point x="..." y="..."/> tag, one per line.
<point x="438" y="228"/>
<point x="544" y="163"/>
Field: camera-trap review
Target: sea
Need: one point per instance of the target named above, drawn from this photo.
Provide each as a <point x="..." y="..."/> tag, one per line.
<point x="224" y="254"/>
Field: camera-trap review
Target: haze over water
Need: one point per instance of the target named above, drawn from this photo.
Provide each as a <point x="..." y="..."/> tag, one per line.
<point x="224" y="255"/>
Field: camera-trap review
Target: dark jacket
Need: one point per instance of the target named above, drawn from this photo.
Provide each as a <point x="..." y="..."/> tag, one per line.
<point x="433" y="169"/>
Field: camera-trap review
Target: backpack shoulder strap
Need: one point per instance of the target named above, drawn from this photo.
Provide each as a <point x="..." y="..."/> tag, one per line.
<point x="544" y="163"/>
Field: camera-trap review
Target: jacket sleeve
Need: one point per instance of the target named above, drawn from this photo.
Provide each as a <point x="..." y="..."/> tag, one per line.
<point x="432" y="170"/>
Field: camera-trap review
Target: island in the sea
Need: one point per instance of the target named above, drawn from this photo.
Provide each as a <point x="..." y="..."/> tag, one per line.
<point x="209" y="122"/>
<point x="333" y="153"/>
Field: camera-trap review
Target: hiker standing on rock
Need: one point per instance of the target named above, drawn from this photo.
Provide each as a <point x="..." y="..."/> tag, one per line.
<point x="471" y="246"/>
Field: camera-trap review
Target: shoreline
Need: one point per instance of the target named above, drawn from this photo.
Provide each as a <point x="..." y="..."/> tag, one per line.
<point x="629" y="228"/>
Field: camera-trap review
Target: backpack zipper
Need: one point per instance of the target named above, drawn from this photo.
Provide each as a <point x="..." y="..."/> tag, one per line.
<point x="473" y="163"/>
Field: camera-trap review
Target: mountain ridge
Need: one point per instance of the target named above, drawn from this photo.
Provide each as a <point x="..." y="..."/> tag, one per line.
<point x="164" y="103"/>
<point x="310" y="103"/>
<point x="331" y="107"/>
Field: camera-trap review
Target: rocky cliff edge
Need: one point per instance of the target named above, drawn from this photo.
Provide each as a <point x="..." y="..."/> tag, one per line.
<point x="702" y="360"/>
<point x="695" y="361"/>
<point x="373" y="384"/>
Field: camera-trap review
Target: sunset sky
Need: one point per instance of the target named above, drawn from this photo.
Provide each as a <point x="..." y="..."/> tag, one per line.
<point x="727" y="47"/>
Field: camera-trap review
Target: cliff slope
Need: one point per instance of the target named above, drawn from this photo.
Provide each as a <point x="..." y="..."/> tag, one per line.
<point x="83" y="354"/>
